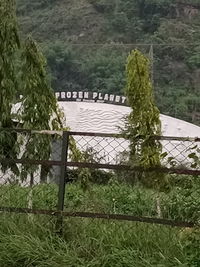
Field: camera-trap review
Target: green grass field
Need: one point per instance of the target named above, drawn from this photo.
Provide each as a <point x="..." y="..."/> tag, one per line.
<point x="31" y="240"/>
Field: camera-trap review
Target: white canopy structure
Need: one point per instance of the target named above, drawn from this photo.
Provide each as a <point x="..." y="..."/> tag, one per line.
<point x="107" y="118"/>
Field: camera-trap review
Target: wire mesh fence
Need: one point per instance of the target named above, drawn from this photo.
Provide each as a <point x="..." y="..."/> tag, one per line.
<point x="176" y="200"/>
<point x="112" y="148"/>
<point x="88" y="175"/>
<point x="27" y="176"/>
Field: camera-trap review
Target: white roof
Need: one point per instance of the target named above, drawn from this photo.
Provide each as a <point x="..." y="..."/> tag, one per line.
<point x="107" y="118"/>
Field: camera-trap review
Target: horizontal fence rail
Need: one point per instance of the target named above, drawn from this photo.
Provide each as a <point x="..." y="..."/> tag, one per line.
<point x="100" y="166"/>
<point x="118" y="217"/>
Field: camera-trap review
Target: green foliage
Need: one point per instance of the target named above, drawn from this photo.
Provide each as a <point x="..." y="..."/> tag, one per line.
<point x="39" y="104"/>
<point x="86" y="176"/>
<point x="25" y="7"/>
<point x="94" y="70"/>
<point x="93" y="176"/>
<point x="64" y="67"/>
<point x="192" y="240"/>
<point x="9" y="45"/>
<point x="194" y="59"/>
<point x="104" y="70"/>
<point x="194" y="156"/>
<point x="144" y="117"/>
<point x="39" y="109"/>
<point x="9" y="149"/>
<point x="143" y="122"/>
<point x="94" y="242"/>
<point x="88" y="243"/>
<point x="103" y="5"/>
<point x="43" y="196"/>
<point x="172" y="26"/>
<point x="181" y="203"/>
<point x="120" y="22"/>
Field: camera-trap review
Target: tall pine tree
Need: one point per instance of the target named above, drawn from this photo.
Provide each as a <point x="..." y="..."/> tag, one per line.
<point x="9" y="45"/>
<point x="143" y="122"/>
<point x="39" y="105"/>
<point x="39" y="109"/>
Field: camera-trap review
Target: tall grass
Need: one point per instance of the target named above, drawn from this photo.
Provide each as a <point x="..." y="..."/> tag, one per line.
<point x="88" y="242"/>
<point x="94" y="242"/>
<point x="179" y="203"/>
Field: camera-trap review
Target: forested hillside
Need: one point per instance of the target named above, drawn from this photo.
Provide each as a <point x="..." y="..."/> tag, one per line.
<point x="87" y="41"/>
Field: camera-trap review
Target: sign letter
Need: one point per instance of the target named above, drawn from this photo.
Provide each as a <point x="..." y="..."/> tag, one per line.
<point x="117" y="98"/>
<point x="57" y="95"/>
<point x="69" y="94"/>
<point x="112" y="97"/>
<point x="80" y="94"/>
<point x="123" y="99"/>
<point x="74" y="95"/>
<point x="63" y="95"/>
<point x="95" y="95"/>
<point x="106" y="97"/>
<point x="100" y="96"/>
<point x="86" y="95"/>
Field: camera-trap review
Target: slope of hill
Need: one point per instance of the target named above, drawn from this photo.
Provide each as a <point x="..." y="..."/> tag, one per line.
<point x="67" y="21"/>
<point x="70" y="32"/>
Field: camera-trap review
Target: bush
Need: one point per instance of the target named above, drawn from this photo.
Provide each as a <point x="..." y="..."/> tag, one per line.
<point x="103" y="6"/>
<point x="94" y="176"/>
<point x="120" y="22"/>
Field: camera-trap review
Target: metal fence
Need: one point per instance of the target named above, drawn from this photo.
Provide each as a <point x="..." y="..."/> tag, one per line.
<point x="40" y="170"/>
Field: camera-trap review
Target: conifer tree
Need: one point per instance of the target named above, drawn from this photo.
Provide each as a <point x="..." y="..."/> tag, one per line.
<point x="9" y="45"/>
<point x="39" y="109"/>
<point x="143" y="122"/>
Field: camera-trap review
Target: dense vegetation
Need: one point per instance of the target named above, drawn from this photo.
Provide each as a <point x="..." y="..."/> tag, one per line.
<point x="31" y="240"/>
<point x="89" y="243"/>
<point x="71" y="33"/>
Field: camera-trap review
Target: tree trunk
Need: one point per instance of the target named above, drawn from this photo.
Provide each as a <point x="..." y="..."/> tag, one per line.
<point x="158" y="208"/>
<point x="30" y="196"/>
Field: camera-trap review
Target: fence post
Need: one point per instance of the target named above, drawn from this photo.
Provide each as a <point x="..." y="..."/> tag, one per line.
<point x="61" y="192"/>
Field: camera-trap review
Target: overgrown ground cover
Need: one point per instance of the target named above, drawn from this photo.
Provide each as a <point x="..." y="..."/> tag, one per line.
<point x="32" y="240"/>
<point x="88" y="243"/>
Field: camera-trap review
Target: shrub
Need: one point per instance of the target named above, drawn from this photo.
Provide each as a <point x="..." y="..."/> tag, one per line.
<point x="103" y="6"/>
